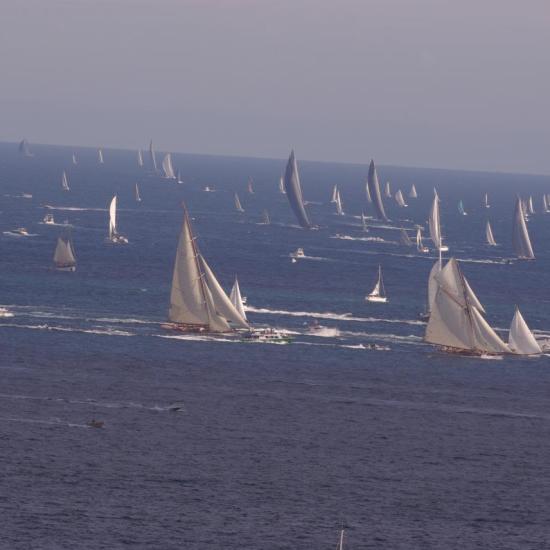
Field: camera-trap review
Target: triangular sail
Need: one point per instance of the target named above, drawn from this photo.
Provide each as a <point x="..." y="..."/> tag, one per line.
<point x="334" y="194"/>
<point x="138" y="196"/>
<point x="64" y="253"/>
<point x="167" y="167"/>
<point x="486" y="201"/>
<point x="139" y="158"/>
<point x="520" y="236"/>
<point x="489" y="235"/>
<point x="112" y="218"/>
<point x="250" y="186"/>
<point x="530" y="207"/>
<point x="64" y="181"/>
<point x="339" y="208"/>
<point x="432" y="283"/>
<point x="434" y="222"/>
<point x="405" y="239"/>
<point x="399" y="199"/>
<point x="374" y="188"/>
<point x="293" y="190"/>
<point x="341" y="541"/>
<point x="520" y="337"/>
<point x="152" y="157"/>
<point x="74" y="159"/>
<point x="545" y="204"/>
<point x="237" y="300"/>
<point x="387" y="190"/>
<point x="461" y="208"/>
<point x="419" y="243"/>
<point x="412" y="193"/>
<point x="238" y="205"/>
<point x="24" y="148"/>
<point x="282" y="185"/>
<point x="100" y="156"/>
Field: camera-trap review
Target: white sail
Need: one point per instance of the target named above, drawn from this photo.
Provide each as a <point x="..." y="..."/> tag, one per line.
<point x="64" y="253"/>
<point x="139" y="158"/>
<point x="520" y="337"/>
<point x="530" y="206"/>
<point x="399" y="199"/>
<point x="367" y="192"/>
<point x="455" y="320"/>
<point x="334" y="194"/>
<point x="74" y="159"/>
<point x="64" y="181"/>
<point x="24" y="149"/>
<point x="545" y="204"/>
<point x="419" y="244"/>
<point x="486" y="201"/>
<point x="100" y="156"/>
<point x="238" y="204"/>
<point x="379" y="290"/>
<point x="282" y="185"/>
<point x="341" y="541"/>
<point x="237" y="300"/>
<point x="152" y="157"/>
<point x="387" y="190"/>
<point x="489" y="235"/>
<point x="167" y="167"/>
<point x="434" y="222"/>
<point x="112" y="218"/>
<point x="412" y="193"/>
<point x="250" y="186"/>
<point x="223" y="305"/>
<point x="339" y="208"/>
<point x="520" y="236"/>
<point x="138" y="196"/>
<point x="404" y="238"/>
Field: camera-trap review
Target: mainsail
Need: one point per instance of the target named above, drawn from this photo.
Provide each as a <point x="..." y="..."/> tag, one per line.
<point x="237" y="300"/>
<point x="434" y="222"/>
<point x="461" y="208"/>
<point x="238" y="206"/>
<point x="412" y="193"/>
<point x="139" y="158"/>
<point x="367" y="192"/>
<point x="138" y="196"/>
<point x="374" y="188"/>
<point x="520" y="236"/>
<point x="294" y="192"/>
<point x="486" y="201"/>
<point x="250" y="186"/>
<point x="545" y="204"/>
<point x="405" y="239"/>
<point x="455" y="320"/>
<point x="64" y="181"/>
<point x="75" y="161"/>
<point x="419" y="244"/>
<point x="387" y="191"/>
<point x="520" y="337"/>
<point x="399" y="199"/>
<point x="24" y="148"/>
<point x="489" y="235"/>
<point x="112" y="218"/>
<point x="152" y="157"/>
<point x="334" y="194"/>
<point x="64" y="253"/>
<point x="339" y="208"/>
<point x="282" y="185"/>
<point x="100" y="156"/>
<point x="432" y="283"/>
<point x="531" y="208"/>
<point x="167" y="167"/>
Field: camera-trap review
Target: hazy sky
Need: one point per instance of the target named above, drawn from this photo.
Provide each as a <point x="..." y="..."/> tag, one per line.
<point x="440" y="83"/>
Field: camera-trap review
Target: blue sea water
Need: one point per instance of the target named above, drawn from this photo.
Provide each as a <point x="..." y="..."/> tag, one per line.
<point x="276" y="446"/>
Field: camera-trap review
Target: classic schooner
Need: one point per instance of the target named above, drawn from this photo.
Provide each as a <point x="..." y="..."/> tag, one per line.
<point x="197" y="301"/>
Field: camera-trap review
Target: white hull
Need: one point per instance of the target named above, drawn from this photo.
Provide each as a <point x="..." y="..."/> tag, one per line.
<point x="117" y="239"/>
<point x="377" y="299"/>
<point x="69" y="268"/>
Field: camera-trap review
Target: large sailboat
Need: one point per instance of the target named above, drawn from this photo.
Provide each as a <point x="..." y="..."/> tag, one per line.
<point x="114" y="236"/>
<point x="238" y="205"/>
<point x="64" y="181"/>
<point x="456" y="321"/>
<point x="400" y="200"/>
<point x="412" y="193"/>
<point x="100" y="156"/>
<point x="520" y="337"/>
<point x="64" y="257"/>
<point x="378" y="293"/>
<point x="434" y="223"/>
<point x="334" y="194"/>
<point x="293" y="190"/>
<point x="489" y="235"/>
<point x="374" y="190"/>
<point x="197" y="301"/>
<point x="520" y="235"/>
<point x="167" y="167"/>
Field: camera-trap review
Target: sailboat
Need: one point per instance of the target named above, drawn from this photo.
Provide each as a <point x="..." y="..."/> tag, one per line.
<point x="341" y="541"/>
<point x="461" y="208"/>
<point x="387" y="190"/>
<point x="489" y="235"/>
<point x="364" y="222"/>
<point x="167" y="167"/>
<point x="378" y="293"/>
<point x="400" y="200"/>
<point x="282" y="186"/>
<point x="114" y="236"/>
<point x="456" y="322"/>
<point x="412" y="193"/>
<point x="237" y="300"/>
<point x="152" y="157"/>
<point x="520" y="235"/>
<point x="486" y="201"/>
<point x="138" y="196"/>
<point x="334" y="194"/>
<point x="374" y="188"/>
<point x="250" y="186"/>
<point x="293" y="190"/>
<point x="238" y="206"/>
<point x="178" y="177"/>
<point x="64" y="181"/>
<point x="139" y="158"/>
<point x="64" y="257"/>
<point x="197" y="301"/>
<point x="339" y="208"/>
<point x="265" y="218"/>
<point x="24" y="149"/>
<point x="74" y="159"/>
<point x="530" y="207"/>
<point x="419" y="244"/>
<point x="434" y="224"/>
<point x="100" y="156"/>
<point x="520" y="337"/>
<point x="545" y="206"/>
<point x="404" y="238"/>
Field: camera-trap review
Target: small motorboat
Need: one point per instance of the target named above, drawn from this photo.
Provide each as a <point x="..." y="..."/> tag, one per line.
<point x="208" y="189"/>
<point x="21" y="231"/>
<point x="93" y="423"/>
<point x="298" y="253"/>
<point x="49" y="219"/>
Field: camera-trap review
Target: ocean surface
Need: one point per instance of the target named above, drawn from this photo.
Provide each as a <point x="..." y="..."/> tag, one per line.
<point x="276" y="446"/>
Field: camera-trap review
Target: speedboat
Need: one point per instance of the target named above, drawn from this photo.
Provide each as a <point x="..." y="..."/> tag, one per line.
<point x="208" y="189"/>
<point x="298" y="253"/>
<point x="21" y="231"/>
<point x="48" y="219"/>
<point x="93" y="423"/>
<point x="5" y="312"/>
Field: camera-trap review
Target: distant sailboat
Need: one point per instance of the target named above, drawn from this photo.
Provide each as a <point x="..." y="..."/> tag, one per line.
<point x="387" y="190"/>
<point x="339" y="207"/>
<point x="114" y="236"/>
<point x="64" y="257"/>
<point x="486" y="201"/>
<point x="419" y="244"/>
<point x="374" y="188"/>
<point x="138" y="196"/>
<point x="238" y="205"/>
<point x="265" y="218"/>
<point x="456" y="322"/>
<point x="489" y="235"/>
<point x="152" y="157"/>
<point x="404" y="238"/>
<point x="100" y="156"/>
<point x="167" y="167"/>
<point x="364" y="222"/>
<point x="461" y="208"/>
<point x="74" y="159"/>
<point x="400" y="200"/>
<point x="250" y="186"/>
<point x="334" y="194"/>
<point x="520" y="337"/>
<point x="139" y="158"/>
<point x="378" y="293"/>
<point x="197" y="301"/>
<point x="282" y="186"/>
<point x="412" y="193"/>
<point x="24" y="149"/>
<point x="293" y="190"/>
<point x="545" y="205"/>
<point x="520" y="236"/>
<point x="341" y="541"/>
<point x="530" y="207"/>
<point x="237" y="299"/>
<point x="178" y="176"/>
<point x="64" y="181"/>
<point x="434" y="223"/>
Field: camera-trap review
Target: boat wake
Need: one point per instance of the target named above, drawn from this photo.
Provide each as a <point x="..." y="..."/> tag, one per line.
<point x="17" y="235"/>
<point x="368" y="239"/>
<point x="74" y="208"/>
<point x="98" y="331"/>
